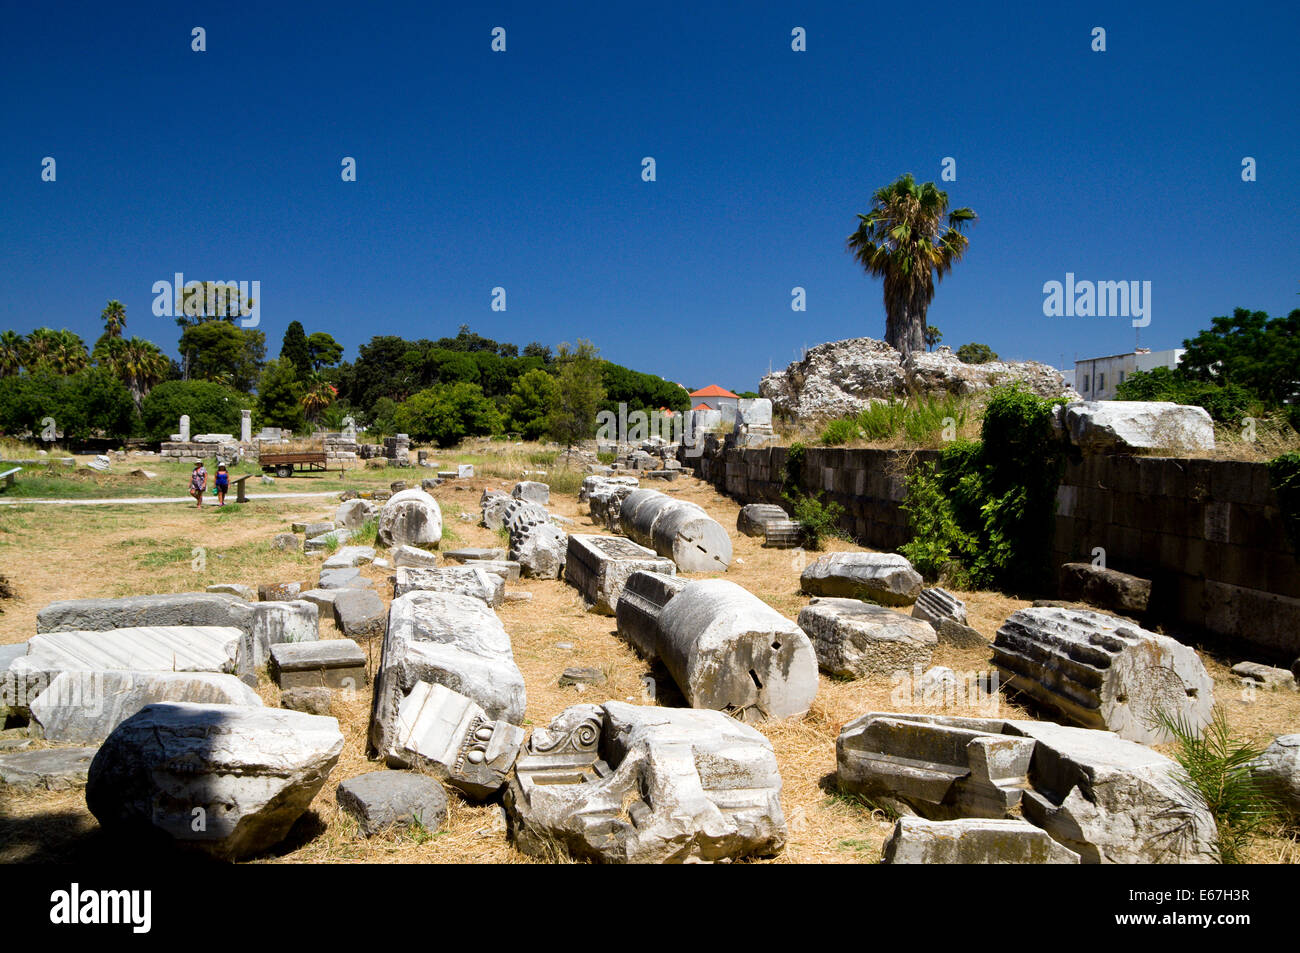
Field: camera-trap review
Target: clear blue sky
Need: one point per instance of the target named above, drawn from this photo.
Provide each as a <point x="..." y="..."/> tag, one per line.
<point x="523" y="169"/>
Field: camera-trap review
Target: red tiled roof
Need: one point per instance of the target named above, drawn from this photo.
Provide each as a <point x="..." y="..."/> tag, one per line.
<point x="701" y="406"/>
<point x="713" y="390"/>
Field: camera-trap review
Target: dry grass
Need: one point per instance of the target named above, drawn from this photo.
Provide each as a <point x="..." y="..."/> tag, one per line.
<point x="110" y="551"/>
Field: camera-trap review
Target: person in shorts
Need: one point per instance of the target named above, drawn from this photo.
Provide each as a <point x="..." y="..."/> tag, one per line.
<point x="223" y="484"/>
<point x="198" y="483"/>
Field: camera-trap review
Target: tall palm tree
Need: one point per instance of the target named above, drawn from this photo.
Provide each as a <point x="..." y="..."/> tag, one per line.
<point x="911" y="241"/>
<point x="13" y="351"/>
<point x="319" y="395"/>
<point x="114" y="318"/>
<point x="136" y="362"/>
<point x="70" y="354"/>
<point x="39" y="347"/>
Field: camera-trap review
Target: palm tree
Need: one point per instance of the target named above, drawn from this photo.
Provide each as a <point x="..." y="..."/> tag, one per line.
<point x="70" y="354"/>
<point x="39" y="347"/>
<point x="932" y="336"/>
<point x="136" y="362"/>
<point x="905" y="241"/>
<point x="114" y="318"/>
<point x="319" y="395"/>
<point x="13" y="352"/>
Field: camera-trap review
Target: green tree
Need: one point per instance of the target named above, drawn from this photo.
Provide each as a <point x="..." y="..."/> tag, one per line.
<point x="62" y="352"/>
<point x="536" y="349"/>
<point x="1248" y="349"/>
<point x="323" y="350"/>
<point x="976" y="354"/>
<point x="88" y="403"/>
<point x="210" y="301"/>
<point x="295" y="349"/>
<point x="114" y="316"/>
<point x="580" y="394"/>
<point x="911" y="240"/>
<point x="932" y="337"/>
<point x="279" y="396"/>
<point x="136" y="362"/>
<point x="219" y="351"/>
<point x="530" y="403"/>
<point x="13" y="352"/>
<point x="448" y="413"/>
<point x="212" y="408"/>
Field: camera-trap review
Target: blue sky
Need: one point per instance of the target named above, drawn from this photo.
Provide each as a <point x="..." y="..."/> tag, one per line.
<point x="522" y="169"/>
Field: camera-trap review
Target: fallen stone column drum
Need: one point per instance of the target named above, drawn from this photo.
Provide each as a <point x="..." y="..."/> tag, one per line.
<point x="730" y="651"/>
<point x="639" y="606"/>
<point x="679" y="530"/>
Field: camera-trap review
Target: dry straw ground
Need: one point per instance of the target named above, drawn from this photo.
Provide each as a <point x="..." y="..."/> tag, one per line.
<point x="51" y="553"/>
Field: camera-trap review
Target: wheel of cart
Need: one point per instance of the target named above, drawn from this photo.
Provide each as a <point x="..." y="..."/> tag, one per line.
<point x="284" y="471"/>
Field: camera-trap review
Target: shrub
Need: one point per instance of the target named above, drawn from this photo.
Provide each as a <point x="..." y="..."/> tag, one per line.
<point x="839" y="432"/>
<point x="819" y="519"/>
<point x="213" y="408"/>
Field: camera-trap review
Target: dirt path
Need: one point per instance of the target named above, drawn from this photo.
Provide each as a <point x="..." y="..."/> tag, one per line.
<point x="165" y="499"/>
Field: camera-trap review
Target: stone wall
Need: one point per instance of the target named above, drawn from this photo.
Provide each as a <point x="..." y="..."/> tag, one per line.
<point x="1208" y="533"/>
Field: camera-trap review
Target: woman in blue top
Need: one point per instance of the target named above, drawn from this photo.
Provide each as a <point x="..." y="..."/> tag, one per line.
<point x="223" y="481"/>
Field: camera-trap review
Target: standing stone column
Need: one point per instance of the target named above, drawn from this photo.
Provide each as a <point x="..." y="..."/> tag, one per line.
<point x="245" y="426"/>
<point x="185" y="428"/>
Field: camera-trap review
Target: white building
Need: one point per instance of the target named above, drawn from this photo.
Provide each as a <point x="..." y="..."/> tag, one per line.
<point x="1097" y="378"/>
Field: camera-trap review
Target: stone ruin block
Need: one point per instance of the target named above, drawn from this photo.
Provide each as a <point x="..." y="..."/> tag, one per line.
<point x="532" y="491"/>
<point x="589" y="484"/>
<point x="1107" y="799"/>
<point x="726" y="649"/>
<point x="1100" y="671"/>
<point x="1278" y="770"/>
<point x="783" y="534"/>
<point x="639" y="606"/>
<point x="383" y="799"/>
<point x="1265" y="676"/>
<point x="1122" y="426"/>
<point x="886" y="578"/>
<point x="935" y="604"/>
<point x="275" y="623"/>
<point x="599" y="567"/>
<point x="414" y="556"/>
<point x="353" y="514"/>
<point x="973" y="841"/>
<point x="410" y="518"/>
<point x="853" y="638"/>
<point x="444" y="731"/>
<point x="1107" y="589"/>
<point x="473" y="581"/>
<point x="679" y="530"/>
<point x="536" y="543"/>
<point x="444" y="639"/>
<point x="754" y="517"/>
<point x="333" y="663"/>
<point x="169" y="609"/>
<point x="605" y="504"/>
<point x="493" y="504"/>
<point x="627" y="784"/>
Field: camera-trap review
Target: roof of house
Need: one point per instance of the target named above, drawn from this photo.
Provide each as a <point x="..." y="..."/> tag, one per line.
<point x="701" y="406"/>
<point x="713" y="390"/>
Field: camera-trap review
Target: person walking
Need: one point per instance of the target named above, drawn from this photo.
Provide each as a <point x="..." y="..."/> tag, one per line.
<point x="223" y="484"/>
<point x="198" y="483"/>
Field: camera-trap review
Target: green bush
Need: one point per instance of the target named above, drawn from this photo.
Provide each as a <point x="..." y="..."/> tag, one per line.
<point x="213" y="408"/>
<point x="448" y="413"/>
<point x="984" y="513"/>
<point x="92" y="402"/>
<point x="840" y="432"/>
<point x="819" y="520"/>
<point x="1226" y="403"/>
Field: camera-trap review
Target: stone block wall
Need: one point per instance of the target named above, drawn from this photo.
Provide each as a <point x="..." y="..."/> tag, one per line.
<point x="1208" y="533"/>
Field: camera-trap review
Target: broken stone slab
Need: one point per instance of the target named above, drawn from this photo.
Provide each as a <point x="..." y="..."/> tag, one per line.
<point x="519" y="596"/>
<point x="277" y="622"/>
<point x="783" y="534"/>
<point x="84" y="707"/>
<point x="138" y="649"/>
<point x="281" y="591"/>
<point x="589" y="484"/>
<point x="599" y="567"/>
<point x="627" y="784"/>
<point x="1101" y="671"/>
<point x="853" y="638"/>
<point x="677" y="529"/>
<point x="312" y="528"/>
<point x="582" y="676"/>
<point x="1265" y="675"/>
<point x="1278" y="768"/>
<point x="507" y="569"/>
<point x="333" y="663"/>
<point x="322" y="599"/>
<point x="251" y="772"/>
<point x="973" y="841"/>
<point x="444" y="639"/>
<point x="247" y="593"/>
<point x="287" y="542"/>
<point x="537" y="544"/>
<point x="472" y="581"/>
<point x="350" y="556"/>
<point x="326" y="541"/>
<point x="360" y="613"/>
<point x="447" y="733"/>
<point x="383" y="799"/>
<point x="343" y="579"/>
<point x="605" y="504"/>
<point x="730" y="651"/>
<point x="1107" y="799"/>
<point x="355" y="513"/>
<point x="494" y="507"/>
<point x="472" y="554"/>
<point x="1107" y="589"/>
<point x="754" y="517"/>
<point x="935" y="604"/>
<point x="410" y="518"/>
<point x="640" y="604"/>
<point x="942" y="770"/>
<point x="171" y="609"/>
<point x="413" y="556"/>
<point x="313" y="701"/>
<point x="1121" y="426"/>
<point x="532" y="491"/>
<point x="46" y="769"/>
<point x="885" y="578"/>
